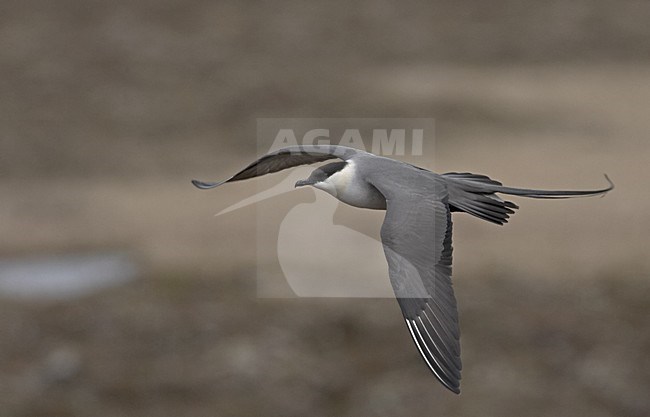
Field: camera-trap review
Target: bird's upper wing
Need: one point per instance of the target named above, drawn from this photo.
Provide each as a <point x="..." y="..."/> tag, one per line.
<point x="416" y="236"/>
<point x="284" y="158"/>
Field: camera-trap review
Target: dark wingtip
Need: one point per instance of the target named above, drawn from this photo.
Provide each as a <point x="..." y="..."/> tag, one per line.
<point x="205" y="185"/>
<point x="453" y="388"/>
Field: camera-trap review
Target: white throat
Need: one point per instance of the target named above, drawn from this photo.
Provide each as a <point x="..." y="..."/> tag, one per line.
<point x="338" y="183"/>
<point x="348" y="187"/>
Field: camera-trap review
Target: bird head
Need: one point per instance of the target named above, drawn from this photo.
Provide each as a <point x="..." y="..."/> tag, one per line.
<point x="322" y="177"/>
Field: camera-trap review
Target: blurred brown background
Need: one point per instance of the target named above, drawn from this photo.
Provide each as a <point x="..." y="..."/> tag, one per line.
<point x="107" y="110"/>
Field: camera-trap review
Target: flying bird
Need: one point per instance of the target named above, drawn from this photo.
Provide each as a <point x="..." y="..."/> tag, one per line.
<point x="416" y="232"/>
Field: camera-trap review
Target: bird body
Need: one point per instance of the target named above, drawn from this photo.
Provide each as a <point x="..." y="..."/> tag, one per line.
<point x="416" y="232"/>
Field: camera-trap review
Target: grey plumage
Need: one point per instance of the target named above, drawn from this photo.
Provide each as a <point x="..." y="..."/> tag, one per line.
<point x="416" y="233"/>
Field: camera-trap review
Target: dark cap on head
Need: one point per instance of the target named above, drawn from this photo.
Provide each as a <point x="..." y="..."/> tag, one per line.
<point x="322" y="173"/>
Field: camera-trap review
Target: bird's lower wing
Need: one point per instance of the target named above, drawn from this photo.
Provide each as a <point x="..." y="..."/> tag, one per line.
<point x="416" y="236"/>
